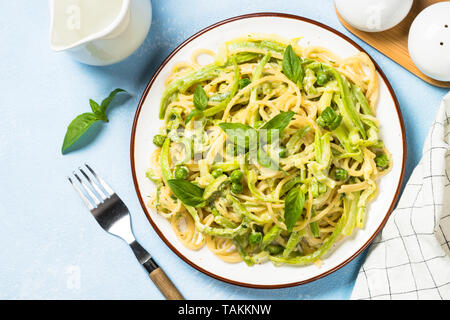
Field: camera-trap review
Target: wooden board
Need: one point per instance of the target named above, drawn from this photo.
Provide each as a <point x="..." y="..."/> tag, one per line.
<point x="394" y="42"/>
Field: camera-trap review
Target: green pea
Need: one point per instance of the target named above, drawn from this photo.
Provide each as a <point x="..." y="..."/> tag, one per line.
<point x="236" y="176"/>
<point x="236" y="188"/>
<point x="341" y="174"/>
<point x="274" y="249"/>
<point x="382" y="160"/>
<point x="217" y="173"/>
<point x="158" y="140"/>
<point x="283" y="152"/>
<point x="322" y="78"/>
<point x="181" y="172"/>
<point x="255" y="238"/>
<point x="244" y="82"/>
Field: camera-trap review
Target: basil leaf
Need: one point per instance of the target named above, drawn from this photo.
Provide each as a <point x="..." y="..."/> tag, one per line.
<point x="189" y="193"/>
<point x="95" y="106"/>
<point x="83" y="122"/>
<point x="291" y="66"/>
<point x="277" y="123"/>
<point x="293" y="207"/>
<point x="235" y="126"/>
<point x="96" y="109"/>
<point x="280" y="121"/>
<point x="265" y="160"/>
<point x="289" y="185"/>
<point x="240" y="134"/>
<point x="200" y="98"/>
<point x="105" y="103"/>
<point x="77" y="128"/>
<point x="192" y="114"/>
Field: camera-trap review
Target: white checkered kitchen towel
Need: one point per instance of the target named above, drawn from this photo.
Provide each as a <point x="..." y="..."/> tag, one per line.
<point x="410" y="258"/>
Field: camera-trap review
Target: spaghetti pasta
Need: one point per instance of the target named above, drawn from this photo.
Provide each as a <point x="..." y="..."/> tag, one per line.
<point x="270" y="153"/>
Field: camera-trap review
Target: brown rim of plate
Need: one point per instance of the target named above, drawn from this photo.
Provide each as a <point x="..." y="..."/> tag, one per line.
<point x="144" y="95"/>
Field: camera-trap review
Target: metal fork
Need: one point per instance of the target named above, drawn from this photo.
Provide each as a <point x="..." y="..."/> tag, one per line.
<point x="114" y="217"/>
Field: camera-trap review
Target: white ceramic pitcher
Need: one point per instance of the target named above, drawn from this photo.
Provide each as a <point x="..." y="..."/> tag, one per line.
<point x="99" y="32"/>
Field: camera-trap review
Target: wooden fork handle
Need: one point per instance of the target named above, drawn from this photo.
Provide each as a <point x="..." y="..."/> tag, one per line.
<point x="159" y="278"/>
<point x="165" y="285"/>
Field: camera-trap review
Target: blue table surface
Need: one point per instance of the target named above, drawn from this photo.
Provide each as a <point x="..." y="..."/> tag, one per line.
<point x="51" y="248"/>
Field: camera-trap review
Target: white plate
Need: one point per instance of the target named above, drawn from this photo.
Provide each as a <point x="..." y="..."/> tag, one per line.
<point x="267" y="275"/>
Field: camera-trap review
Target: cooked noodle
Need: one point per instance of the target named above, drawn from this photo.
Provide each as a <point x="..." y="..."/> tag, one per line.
<point x="327" y="156"/>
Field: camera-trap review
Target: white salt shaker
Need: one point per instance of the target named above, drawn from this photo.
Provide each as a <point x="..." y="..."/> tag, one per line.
<point x="373" y="15"/>
<point x="429" y="41"/>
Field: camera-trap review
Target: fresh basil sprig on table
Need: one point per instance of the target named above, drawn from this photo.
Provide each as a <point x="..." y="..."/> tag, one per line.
<point x="200" y="103"/>
<point x="84" y="121"/>
<point x="293" y="207"/>
<point x="292" y="67"/>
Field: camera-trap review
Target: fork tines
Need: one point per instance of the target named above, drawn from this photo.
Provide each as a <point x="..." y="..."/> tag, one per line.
<point x="94" y="187"/>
